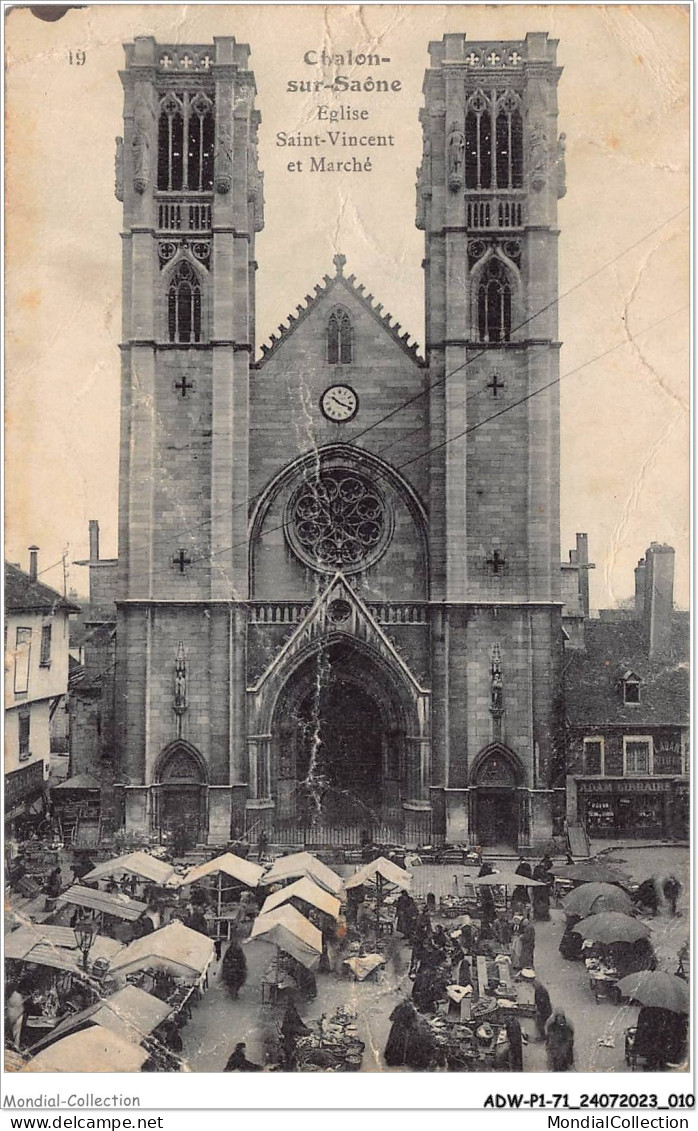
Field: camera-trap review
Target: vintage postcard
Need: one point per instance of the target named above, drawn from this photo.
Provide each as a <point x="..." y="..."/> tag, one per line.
<point x="347" y="559"/>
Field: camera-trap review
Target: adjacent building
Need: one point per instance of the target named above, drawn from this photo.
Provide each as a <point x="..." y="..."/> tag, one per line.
<point x="627" y="701"/>
<point x="36" y="681"/>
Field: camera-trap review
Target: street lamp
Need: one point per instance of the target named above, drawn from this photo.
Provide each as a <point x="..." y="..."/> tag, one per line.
<point x="85" y="935"/>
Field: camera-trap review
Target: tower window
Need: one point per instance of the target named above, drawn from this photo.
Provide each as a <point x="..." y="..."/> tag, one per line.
<point x="339" y="338"/>
<point x="184" y="305"/>
<point x="493" y="141"/>
<point x="494" y="303"/>
<point x="186" y="133"/>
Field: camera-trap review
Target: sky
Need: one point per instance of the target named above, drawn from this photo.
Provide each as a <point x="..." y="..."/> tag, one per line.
<point x="624" y="252"/>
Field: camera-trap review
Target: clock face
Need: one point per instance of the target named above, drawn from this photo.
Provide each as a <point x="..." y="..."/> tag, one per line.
<point x="339" y="403"/>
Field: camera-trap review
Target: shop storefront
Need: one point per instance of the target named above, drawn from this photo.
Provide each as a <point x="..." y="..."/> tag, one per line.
<point x="625" y="807"/>
<point x="24" y="800"/>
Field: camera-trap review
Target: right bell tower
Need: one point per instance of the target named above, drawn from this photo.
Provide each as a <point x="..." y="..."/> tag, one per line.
<point x="491" y="175"/>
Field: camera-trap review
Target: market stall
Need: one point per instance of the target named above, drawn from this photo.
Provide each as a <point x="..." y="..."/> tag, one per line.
<point x="306" y="893"/>
<point x="105" y="907"/>
<point x="228" y="878"/>
<point x="130" y="1013"/>
<point x="331" y="1044"/>
<point x="146" y="869"/>
<point x="381" y="876"/>
<point x="176" y="949"/>
<point x="300" y="864"/>
<point x="91" y="1050"/>
<point x="291" y="932"/>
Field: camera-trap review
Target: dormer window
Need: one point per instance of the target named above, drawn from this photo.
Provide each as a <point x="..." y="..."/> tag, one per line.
<point x="630" y="687"/>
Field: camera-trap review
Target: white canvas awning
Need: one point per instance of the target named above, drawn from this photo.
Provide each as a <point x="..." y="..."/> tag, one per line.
<point x="309" y="892"/>
<point x="180" y="950"/>
<point x="390" y="873"/>
<point x="291" y="932"/>
<point x="109" y="903"/>
<point x="131" y="1013"/>
<point x="304" y="864"/>
<point x="136" y="863"/>
<point x="245" y="871"/>
<point x="91" y="1050"/>
<point x="57" y="948"/>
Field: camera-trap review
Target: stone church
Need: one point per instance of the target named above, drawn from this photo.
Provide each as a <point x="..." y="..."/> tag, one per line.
<point x="326" y="628"/>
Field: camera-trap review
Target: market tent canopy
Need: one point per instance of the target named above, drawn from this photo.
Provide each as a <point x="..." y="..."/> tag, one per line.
<point x="116" y="904"/>
<point x="230" y="865"/>
<point x="386" y="869"/>
<point x="91" y="1050"/>
<point x="612" y="927"/>
<point x="20" y="942"/>
<point x="291" y="932"/>
<point x="657" y="989"/>
<point x="138" y="864"/>
<point x="307" y="891"/>
<point x="131" y="1013"/>
<point x="505" y="880"/>
<point x="57" y="947"/>
<point x="178" y="949"/>
<point x="303" y="864"/>
<point x="590" y="898"/>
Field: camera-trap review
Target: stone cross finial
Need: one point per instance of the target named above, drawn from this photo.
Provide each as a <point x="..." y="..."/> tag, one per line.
<point x="339" y="261"/>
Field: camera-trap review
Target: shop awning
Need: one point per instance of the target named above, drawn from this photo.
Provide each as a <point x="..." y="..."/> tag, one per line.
<point x="386" y="869"/>
<point x="109" y="903"/>
<point x="131" y="1013"/>
<point x="135" y="863"/>
<point x="56" y="947"/>
<point x="91" y="1050"/>
<point x="79" y="782"/>
<point x="307" y="891"/>
<point x="18" y="943"/>
<point x="291" y="932"/>
<point x="178" y="949"/>
<point x="230" y="865"/>
<point x="303" y="864"/>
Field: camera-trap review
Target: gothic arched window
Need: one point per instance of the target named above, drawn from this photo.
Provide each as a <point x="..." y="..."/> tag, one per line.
<point x="478" y="143"/>
<point x="494" y="303"/>
<point x="184" y="305"/>
<point x="185" y="142"/>
<point x="509" y="143"/>
<point x="339" y="338"/>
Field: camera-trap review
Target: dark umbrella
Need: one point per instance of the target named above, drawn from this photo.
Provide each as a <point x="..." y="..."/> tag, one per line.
<point x="592" y="871"/>
<point x="657" y="989"/>
<point x="612" y="927"/>
<point x="588" y="899"/>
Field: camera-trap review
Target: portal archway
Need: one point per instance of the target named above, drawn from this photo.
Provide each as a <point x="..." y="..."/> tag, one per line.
<point x="341" y="754"/>
<point x="180" y="794"/>
<point x="496" y="777"/>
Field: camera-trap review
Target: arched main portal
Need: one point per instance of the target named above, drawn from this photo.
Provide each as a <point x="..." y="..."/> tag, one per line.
<point x="179" y="811"/>
<point x="497" y="811"/>
<point x="341" y="749"/>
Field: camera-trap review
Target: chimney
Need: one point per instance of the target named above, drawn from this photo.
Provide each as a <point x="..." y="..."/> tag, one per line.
<point x="33" y="563"/>
<point x="94" y="540"/>
<point x="659" y="599"/>
<point x="640" y="589"/>
<point x="582" y="555"/>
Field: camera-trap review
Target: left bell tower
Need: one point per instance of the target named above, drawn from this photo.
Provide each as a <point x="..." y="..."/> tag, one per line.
<point x="187" y="174"/>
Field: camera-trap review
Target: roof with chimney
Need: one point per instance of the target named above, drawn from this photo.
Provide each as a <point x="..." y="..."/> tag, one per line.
<point x="616" y="649"/>
<point x="22" y="594"/>
<point x="341" y="282"/>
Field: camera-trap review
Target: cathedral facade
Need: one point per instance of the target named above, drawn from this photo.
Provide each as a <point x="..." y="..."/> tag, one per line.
<point x="339" y="605"/>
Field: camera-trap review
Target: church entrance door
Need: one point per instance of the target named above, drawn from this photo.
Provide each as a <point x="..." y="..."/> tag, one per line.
<point x="180" y="797"/>
<point x="180" y="813"/>
<point x="496" y="818"/>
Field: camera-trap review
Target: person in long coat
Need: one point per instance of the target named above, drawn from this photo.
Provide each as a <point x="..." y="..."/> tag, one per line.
<point x="543" y="1007"/>
<point x="660" y="1037"/>
<point x="515" y="1040"/>
<point x="238" y="1062"/>
<point x="528" y="944"/>
<point x="486" y="895"/>
<point x="421" y="1052"/>
<point x="403" y="1018"/>
<point x="292" y="1027"/>
<point x="407" y="914"/>
<point x="541" y="896"/>
<point x="520" y="897"/>
<point x="234" y="968"/>
<point x="559" y="1041"/>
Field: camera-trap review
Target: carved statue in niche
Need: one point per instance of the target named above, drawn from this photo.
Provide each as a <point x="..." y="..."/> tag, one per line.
<point x="141" y="148"/>
<point x="537" y="155"/>
<point x="496" y="683"/>
<point x="455" y="149"/>
<point x="179" y="701"/>
<point x="119" y="169"/>
<point x="561" y="168"/>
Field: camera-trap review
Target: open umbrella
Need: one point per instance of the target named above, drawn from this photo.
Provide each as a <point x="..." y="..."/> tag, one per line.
<point x="658" y="989"/>
<point x="592" y="872"/>
<point x="506" y="880"/>
<point x="589" y="899"/>
<point x="612" y="927"/>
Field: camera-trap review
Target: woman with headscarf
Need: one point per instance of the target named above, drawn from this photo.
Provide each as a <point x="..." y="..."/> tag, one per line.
<point x="559" y="1041"/>
<point x="407" y="914"/>
<point x="234" y="967"/>
<point x="528" y="944"/>
<point x="486" y="895"/>
<point x="543" y="1007"/>
<point x="292" y="1027"/>
<point x="541" y="896"/>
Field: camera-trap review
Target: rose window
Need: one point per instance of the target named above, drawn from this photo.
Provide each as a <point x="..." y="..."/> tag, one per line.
<point x="338" y="521"/>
